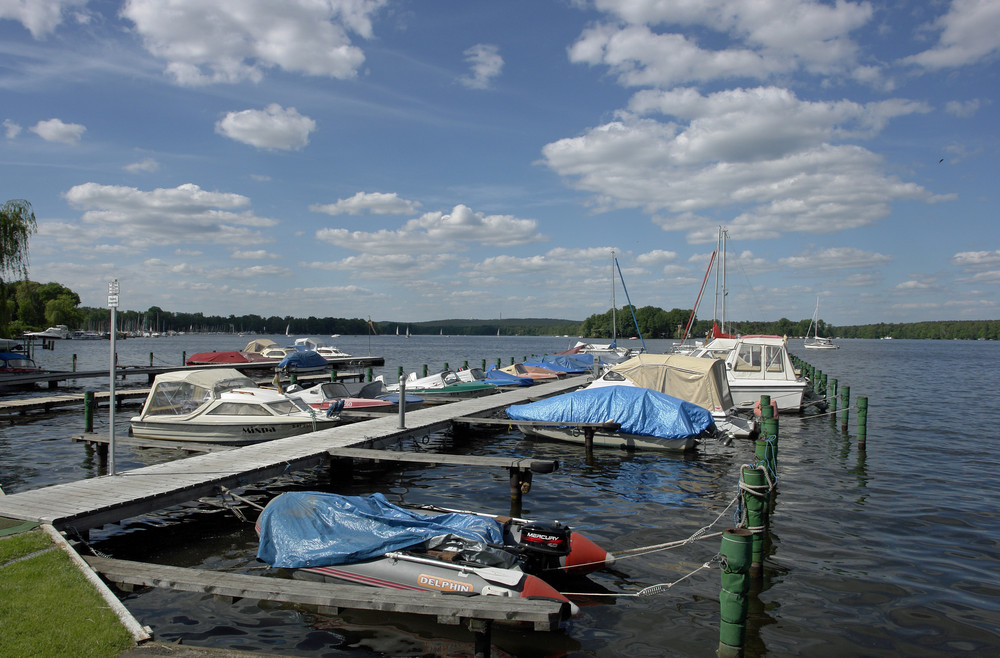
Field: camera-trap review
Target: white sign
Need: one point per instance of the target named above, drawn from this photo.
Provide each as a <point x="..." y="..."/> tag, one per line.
<point x="112" y="301"/>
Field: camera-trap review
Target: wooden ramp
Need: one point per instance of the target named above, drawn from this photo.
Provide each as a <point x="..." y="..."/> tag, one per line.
<point x="91" y="503"/>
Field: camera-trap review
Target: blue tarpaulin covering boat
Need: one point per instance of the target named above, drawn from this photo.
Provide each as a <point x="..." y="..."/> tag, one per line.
<point x="306" y="529"/>
<point x="641" y="412"/>
<point x="303" y="361"/>
<point x="500" y="378"/>
<point x="561" y="363"/>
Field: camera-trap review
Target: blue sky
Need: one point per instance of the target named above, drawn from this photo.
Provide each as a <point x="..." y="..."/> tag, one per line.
<point x="406" y="160"/>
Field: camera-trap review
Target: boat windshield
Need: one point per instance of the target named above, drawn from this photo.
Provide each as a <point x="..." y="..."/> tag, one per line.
<point x="238" y="409"/>
<point x="176" y="398"/>
<point x="285" y="407"/>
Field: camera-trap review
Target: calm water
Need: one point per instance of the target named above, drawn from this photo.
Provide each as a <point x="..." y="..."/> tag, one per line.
<point x="887" y="552"/>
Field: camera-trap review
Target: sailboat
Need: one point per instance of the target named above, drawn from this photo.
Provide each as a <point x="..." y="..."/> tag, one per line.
<point x="718" y="259"/>
<point x="817" y="342"/>
<point x="610" y="351"/>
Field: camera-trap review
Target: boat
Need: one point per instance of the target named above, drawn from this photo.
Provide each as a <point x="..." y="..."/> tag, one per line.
<point x="300" y="362"/>
<point x="701" y="381"/>
<point x="14" y="365"/>
<point x="444" y="386"/>
<point x="561" y="363"/>
<point x="336" y="395"/>
<point x="367" y="540"/>
<point x="718" y="259"/>
<point x="817" y="342"/>
<point x="321" y="348"/>
<point x="755" y="366"/>
<point x="648" y="420"/>
<point x="375" y="390"/>
<point x="535" y="373"/>
<point x="59" y="332"/>
<point x="232" y="357"/>
<point x="266" y="349"/>
<point x="492" y="376"/>
<point x="222" y="406"/>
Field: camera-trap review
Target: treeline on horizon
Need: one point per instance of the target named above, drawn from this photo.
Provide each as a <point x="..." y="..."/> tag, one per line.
<point x="30" y="306"/>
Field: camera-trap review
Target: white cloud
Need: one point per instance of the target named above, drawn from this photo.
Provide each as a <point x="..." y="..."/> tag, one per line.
<point x="963" y="109"/>
<point x="11" y="129"/>
<point x="165" y="216"/>
<point x="234" y="40"/>
<point x="255" y="254"/>
<point x="836" y="258"/>
<point x="977" y="260"/>
<point x="769" y="38"/>
<point x="762" y="150"/>
<point x="968" y="35"/>
<point x="272" y="128"/>
<point x="486" y="64"/>
<point x="374" y="203"/>
<point x="54" y="130"/>
<point x="436" y="232"/>
<point x="40" y="17"/>
<point x="146" y="164"/>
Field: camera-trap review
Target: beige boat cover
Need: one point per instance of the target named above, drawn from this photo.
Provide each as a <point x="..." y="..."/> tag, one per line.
<point x="698" y="380"/>
<point x="259" y="345"/>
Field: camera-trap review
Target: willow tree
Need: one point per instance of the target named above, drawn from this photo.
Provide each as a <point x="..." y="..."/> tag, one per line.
<point x="17" y="223"/>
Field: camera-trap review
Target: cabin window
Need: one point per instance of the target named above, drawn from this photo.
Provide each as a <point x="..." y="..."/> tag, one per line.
<point x="238" y="409"/>
<point x="775" y="359"/>
<point x="748" y="358"/>
<point x="612" y="376"/>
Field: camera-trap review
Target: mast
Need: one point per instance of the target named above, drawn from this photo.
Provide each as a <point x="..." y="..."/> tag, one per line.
<point x="614" y="320"/>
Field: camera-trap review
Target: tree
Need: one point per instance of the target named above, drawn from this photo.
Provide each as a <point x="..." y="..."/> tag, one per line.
<point x="17" y="223"/>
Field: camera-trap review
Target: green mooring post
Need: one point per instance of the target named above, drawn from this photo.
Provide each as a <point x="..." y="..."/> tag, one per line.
<point x="766" y="447"/>
<point x="733" y="606"/>
<point x="399" y="372"/>
<point x="150" y="359"/>
<point x="754" y="488"/>
<point x="862" y="421"/>
<point x="368" y="374"/>
<point x="845" y="406"/>
<point x="184" y="358"/>
<point x="74" y="363"/>
<point x="424" y="371"/>
<point x="88" y="411"/>
<point x="831" y="397"/>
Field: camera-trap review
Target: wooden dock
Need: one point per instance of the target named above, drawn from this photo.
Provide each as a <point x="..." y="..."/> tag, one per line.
<point x="91" y="503"/>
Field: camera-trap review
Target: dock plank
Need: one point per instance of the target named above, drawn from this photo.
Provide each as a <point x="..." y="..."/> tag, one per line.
<point x="448" y="608"/>
<point x="91" y="503"/>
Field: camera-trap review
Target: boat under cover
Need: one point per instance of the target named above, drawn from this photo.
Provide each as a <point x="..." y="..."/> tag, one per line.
<point x="648" y="419"/>
<point x="305" y="361"/>
<point x="368" y="540"/>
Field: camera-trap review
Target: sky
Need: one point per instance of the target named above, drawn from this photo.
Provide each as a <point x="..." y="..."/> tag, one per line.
<point x="410" y="161"/>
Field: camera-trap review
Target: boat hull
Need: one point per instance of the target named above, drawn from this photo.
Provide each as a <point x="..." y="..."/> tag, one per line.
<point x="238" y="432"/>
<point x="788" y="395"/>
<point x="610" y="439"/>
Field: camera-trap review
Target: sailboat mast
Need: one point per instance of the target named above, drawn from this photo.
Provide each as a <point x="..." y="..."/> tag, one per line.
<point x="614" y="319"/>
<point x="725" y="293"/>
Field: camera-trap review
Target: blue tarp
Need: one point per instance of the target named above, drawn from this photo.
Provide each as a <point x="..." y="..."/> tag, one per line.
<point x="561" y="363"/>
<point x="638" y="410"/>
<point x="501" y="378"/>
<point x="310" y="529"/>
<point x="307" y="360"/>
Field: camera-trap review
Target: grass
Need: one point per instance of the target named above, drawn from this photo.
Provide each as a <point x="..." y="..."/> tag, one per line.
<point x="47" y="607"/>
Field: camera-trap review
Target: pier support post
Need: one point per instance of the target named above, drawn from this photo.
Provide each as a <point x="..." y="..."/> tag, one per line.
<point x="862" y="421"/>
<point x="845" y="406"/>
<point x="483" y="629"/>
<point x="733" y="605"/>
<point x="88" y="411"/>
<point x="520" y="484"/>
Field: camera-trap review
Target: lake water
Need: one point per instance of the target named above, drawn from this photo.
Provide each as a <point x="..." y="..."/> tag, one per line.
<point x="886" y="552"/>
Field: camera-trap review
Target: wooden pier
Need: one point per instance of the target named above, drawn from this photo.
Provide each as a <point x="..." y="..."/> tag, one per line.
<point x="91" y="503"/>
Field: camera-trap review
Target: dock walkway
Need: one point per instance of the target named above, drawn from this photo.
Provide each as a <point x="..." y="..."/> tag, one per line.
<point x="93" y="502"/>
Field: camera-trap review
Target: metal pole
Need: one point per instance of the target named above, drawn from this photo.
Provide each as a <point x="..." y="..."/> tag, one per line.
<point x="402" y="403"/>
<point x="113" y="303"/>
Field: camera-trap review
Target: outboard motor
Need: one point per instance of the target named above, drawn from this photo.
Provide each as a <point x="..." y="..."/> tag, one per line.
<point x="542" y="544"/>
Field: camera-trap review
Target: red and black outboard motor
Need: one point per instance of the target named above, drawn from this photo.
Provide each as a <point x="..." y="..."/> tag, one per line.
<point x="542" y="544"/>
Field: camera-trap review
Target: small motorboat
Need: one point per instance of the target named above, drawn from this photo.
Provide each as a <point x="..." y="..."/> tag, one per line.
<point x="369" y="541"/>
<point x="536" y="373"/>
<point x="299" y="362"/>
<point x="59" y="332"/>
<point x="334" y="395"/>
<point x="445" y="386"/>
<point x="222" y="406"/>
<point x="14" y="365"/>
<point x="321" y="348"/>
<point x="492" y="376"/>
<point x="648" y="420"/>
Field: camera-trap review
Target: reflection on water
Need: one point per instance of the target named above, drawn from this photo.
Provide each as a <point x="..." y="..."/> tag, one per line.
<point x="884" y="552"/>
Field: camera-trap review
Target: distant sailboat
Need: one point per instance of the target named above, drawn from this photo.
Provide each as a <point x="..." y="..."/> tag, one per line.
<point x="288" y="330"/>
<point x="407" y="331"/>
<point x="817" y="342"/>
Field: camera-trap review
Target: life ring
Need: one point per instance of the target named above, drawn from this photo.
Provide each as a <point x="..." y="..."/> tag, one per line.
<point x="756" y="408"/>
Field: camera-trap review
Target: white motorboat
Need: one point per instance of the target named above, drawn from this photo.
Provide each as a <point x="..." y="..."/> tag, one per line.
<point x="222" y="406"/>
<point x="755" y="366"/>
<point x="700" y="381"/>
<point x="321" y="348"/>
<point x="817" y="342"/>
<point x="60" y="332"/>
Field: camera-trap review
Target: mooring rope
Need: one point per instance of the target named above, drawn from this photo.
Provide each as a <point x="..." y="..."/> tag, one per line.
<point x="829" y="413"/>
<point x="652" y="589"/>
